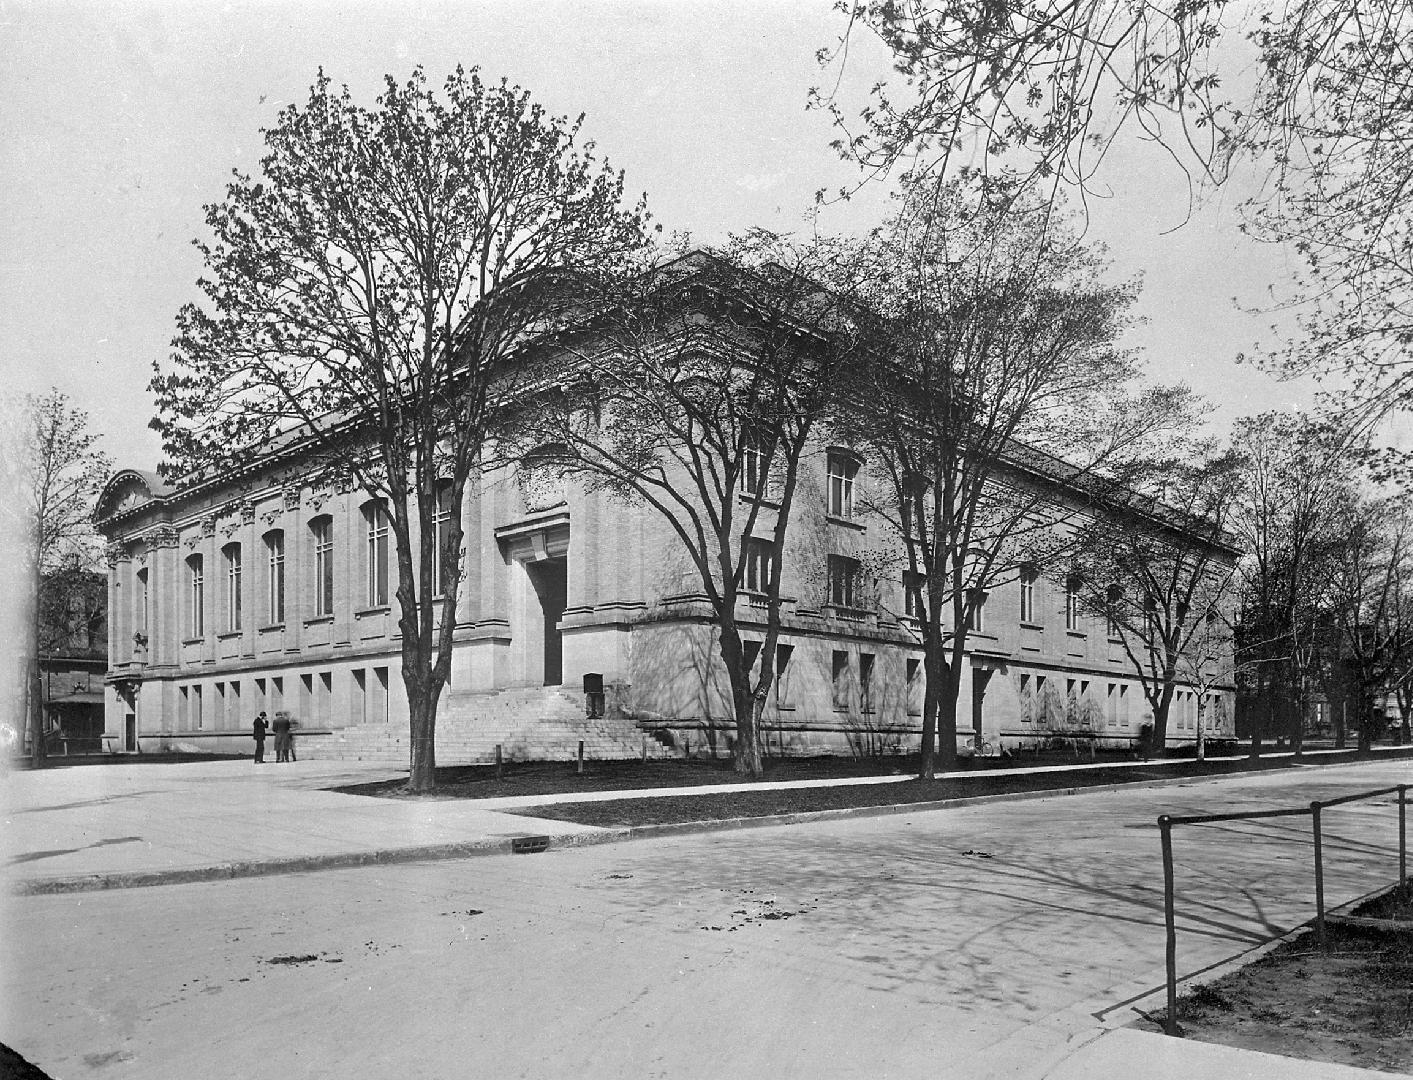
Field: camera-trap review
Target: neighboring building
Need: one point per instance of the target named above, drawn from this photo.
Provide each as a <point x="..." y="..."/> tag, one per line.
<point x="73" y="656"/>
<point x="273" y="590"/>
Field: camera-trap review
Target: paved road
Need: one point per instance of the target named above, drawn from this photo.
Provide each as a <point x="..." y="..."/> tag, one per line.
<point x="974" y="942"/>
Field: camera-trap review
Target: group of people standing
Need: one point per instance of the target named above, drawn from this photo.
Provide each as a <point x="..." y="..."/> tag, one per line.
<point x="284" y="737"/>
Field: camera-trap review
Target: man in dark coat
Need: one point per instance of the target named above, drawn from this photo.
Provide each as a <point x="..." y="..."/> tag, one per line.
<point x="282" y="739"/>
<point x="259" y="733"/>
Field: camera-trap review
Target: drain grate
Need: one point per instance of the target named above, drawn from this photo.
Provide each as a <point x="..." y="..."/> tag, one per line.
<point x="528" y="845"/>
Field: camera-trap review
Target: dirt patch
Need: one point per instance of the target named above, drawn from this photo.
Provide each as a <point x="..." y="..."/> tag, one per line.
<point x="1394" y="904"/>
<point x="1351" y="1004"/>
<point x="979" y="778"/>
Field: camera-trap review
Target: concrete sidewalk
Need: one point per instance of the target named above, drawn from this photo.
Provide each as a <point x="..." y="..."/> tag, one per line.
<point x="123" y="825"/>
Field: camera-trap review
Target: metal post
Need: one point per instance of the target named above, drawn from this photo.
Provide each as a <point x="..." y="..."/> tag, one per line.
<point x="1402" y="837"/>
<point x="581" y="757"/>
<point x="1319" y="877"/>
<point x="1165" y="830"/>
<point x="497" y="761"/>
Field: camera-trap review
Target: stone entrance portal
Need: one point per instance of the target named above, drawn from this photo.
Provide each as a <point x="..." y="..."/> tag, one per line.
<point x="537" y="550"/>
<point x="550" y="579"/>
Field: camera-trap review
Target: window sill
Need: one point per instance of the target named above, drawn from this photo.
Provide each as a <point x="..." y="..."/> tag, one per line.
<point x="319" y="620"/>
<point x="193" y="640"/>
<point x="847" y="523"/>
<point x="229" y="635"/>
<point x="847" y="613"/>
<point x="376" y="609"/>
<point x="1032" y="626"/>
<point x="272" y="628"/>
<point x="1076" y="634"/>
<point x="761" y="500"/>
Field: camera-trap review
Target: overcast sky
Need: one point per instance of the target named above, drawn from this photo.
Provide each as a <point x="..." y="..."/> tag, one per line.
<point x="119" y="120"/>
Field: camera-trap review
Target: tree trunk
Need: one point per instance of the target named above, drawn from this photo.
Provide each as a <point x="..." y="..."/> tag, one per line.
<point x="927" y="751"/>
<point x="1201" y="727"/>
<point x="1341" y="725"/>
<point x="950" y="682"/>
<point x="422" y="715"/>
<point x="746" y="756"/>
<point x="36" y="713"/>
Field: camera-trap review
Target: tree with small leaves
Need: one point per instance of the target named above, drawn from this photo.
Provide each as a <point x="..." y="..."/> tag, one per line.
<point x="373" y="295"/>
<point x="1158" y="569"/>
<point x="1000" y="403"/>
<point x="700" y="394"/>
<point x="63" y="472"/>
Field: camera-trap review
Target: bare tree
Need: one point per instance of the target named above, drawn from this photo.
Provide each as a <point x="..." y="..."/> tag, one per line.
<point x="372" y="296"/>
<point x="65" y="472"/>
<point x="699" y="396"/>
<point x="1295" y="475"/>
<point x="1001" y="403"/>
<point x="1373" y="640"/>
<point x="1159" y="570"/>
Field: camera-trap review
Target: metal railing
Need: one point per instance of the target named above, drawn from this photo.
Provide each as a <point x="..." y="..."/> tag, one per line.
<point x="1165" y="829"/>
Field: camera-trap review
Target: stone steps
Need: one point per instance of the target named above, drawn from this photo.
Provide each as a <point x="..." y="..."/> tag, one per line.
<point x="535" y="723"/>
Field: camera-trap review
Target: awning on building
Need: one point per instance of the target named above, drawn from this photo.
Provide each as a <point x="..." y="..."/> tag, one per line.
<point x="82" y="697"/>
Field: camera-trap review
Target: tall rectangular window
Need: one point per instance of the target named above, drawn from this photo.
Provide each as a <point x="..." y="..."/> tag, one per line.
<point x="1072" y="615"/>
<point x="232" y="557"/>
<point x="196" y="721"/>
<point x="380" y="679"/>
<point x="1113" y="601"/>
<point x="915" y="686"/>
<point x="196" y="614"/>
<point x="218" y="707"/>
<point x="377" y="521"/>
<point x="1027" y="699"/>
<point x="843" y="581"/>
<point x="842" y="470"/>
<point x="360" y="696"/>
<point x="760" y="564"/>
<point x="839" y="679"/>
<point x="866" y="682"/>
<point x="753" y="467"/>
<point x="441" y="529"/>
<point x="323" y="530"/>
<point x="1027" y="594"/>
<point x="913" y="606"/>
<point x="783" y="655"/>
<point x="233" y="717"/>
<point x="142" y="601"/>
<point x="275" y="597"/>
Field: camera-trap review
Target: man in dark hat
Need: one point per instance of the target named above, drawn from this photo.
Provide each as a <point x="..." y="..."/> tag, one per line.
<point x="259" y="733"/>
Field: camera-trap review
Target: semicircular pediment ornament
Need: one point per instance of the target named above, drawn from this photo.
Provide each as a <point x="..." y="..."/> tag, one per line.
<point x="542" y="483"/>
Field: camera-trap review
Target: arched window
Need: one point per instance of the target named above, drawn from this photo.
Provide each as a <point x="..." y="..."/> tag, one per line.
<point x="196" y="610"/>
<point x="275" y="577"/>
<point x="231" y="554"/>
<point x="322" y="529"/>
<point x="375" y="519"/>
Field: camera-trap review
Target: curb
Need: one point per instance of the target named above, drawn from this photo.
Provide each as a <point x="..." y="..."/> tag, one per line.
<point x="136" y="879"/>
